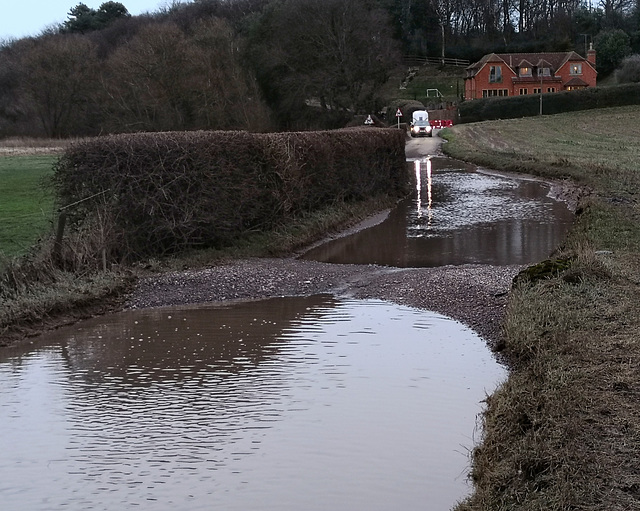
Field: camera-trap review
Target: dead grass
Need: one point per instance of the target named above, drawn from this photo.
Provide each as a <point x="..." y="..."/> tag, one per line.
<point x="564" y="431"/>
<point x="24" y="146"/>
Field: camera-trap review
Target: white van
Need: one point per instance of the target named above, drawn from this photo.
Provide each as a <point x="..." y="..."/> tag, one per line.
<point x="420" y="126"/>
<point x="420" y="115"/>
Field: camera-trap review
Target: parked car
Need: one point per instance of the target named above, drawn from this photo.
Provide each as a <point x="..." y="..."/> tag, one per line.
<point x="421" y="129"/>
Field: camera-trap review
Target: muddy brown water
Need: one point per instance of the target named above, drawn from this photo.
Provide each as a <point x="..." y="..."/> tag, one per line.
<point x="293" y="403"/>
<point x="458" y="215"/>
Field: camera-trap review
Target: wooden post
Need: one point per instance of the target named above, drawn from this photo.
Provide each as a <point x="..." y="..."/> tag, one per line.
<point x="57" y="246"/>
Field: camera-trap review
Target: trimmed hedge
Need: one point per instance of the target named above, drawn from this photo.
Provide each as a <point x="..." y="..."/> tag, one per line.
<point x="552" y="103"/>
<point x="150" y="194"/>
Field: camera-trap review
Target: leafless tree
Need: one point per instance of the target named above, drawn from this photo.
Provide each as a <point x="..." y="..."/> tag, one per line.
<point x="57" y="79"/>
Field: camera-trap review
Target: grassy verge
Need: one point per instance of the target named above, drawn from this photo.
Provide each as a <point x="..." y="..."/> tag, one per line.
<point x="563" y="432"/>
<point x="35" y="295"/>
<point x="26" y="208"/>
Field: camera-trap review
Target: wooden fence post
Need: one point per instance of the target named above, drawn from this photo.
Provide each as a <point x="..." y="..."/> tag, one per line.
<point x="57" y="246"/>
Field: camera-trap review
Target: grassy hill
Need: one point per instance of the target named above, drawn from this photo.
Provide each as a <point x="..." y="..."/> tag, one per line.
<point x="420" y="82"/>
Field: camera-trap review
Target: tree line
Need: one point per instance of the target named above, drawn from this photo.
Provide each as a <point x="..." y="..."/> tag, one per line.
<point x="262" y="65"/>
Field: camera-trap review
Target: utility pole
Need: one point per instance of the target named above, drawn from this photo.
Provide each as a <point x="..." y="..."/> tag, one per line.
<point x="541" y="75"/>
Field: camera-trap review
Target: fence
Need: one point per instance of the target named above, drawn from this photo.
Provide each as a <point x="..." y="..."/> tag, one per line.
<point x="436" y="61"/>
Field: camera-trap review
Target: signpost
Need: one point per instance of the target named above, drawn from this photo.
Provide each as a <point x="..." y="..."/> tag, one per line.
<point x="398" y="115"/>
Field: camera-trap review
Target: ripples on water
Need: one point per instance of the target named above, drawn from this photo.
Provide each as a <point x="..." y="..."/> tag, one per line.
<point x="458" y="215"/>
<point x="284" y="404"/>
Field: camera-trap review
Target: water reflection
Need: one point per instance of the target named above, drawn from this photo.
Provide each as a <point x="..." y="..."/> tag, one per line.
<point x="292" y="403"/>
<point x="417" y="164"/>
<point x="459" y="216"/>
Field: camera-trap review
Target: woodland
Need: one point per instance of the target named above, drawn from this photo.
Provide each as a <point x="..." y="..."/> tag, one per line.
<point x="271" y="65"/>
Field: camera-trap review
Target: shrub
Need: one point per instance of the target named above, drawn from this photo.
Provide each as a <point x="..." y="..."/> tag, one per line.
<point x="553" y="103"/>
<point x="149" y="194"/>
<point x="629" y="70"/>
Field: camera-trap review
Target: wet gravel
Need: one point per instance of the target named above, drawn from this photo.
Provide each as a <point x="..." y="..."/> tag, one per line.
<point x="475" y="295"/>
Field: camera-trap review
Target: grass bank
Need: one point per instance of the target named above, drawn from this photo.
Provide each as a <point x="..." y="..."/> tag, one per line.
<point x="26" y="208"/>
<point x="35" y="295"/>
<point x="563" y="432"/>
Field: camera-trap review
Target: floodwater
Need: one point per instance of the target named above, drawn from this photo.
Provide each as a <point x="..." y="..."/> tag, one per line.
<point x="458" y="215"/>
<point x="300" y="403"/>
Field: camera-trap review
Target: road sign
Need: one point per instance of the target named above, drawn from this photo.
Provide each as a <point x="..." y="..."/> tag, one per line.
<point x="368" y="120"/>
<point x="399" y="113"/>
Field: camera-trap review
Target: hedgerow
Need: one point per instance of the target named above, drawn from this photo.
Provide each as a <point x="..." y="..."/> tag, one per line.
<point x="486" y="109"/>
<point x="149" y="194"/>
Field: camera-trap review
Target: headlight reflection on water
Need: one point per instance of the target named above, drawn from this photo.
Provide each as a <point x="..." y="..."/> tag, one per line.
<point x="417" y="165"/>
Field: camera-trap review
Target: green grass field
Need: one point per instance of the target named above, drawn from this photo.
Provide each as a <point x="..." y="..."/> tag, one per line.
<point x="26" y="205"/>
<point x="449" y="82"/>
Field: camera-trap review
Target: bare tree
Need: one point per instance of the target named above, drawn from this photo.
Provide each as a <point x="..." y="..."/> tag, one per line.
<point x="335" y="53"/>
<point x="58" y="79"/>
<point x="164" y="79"/>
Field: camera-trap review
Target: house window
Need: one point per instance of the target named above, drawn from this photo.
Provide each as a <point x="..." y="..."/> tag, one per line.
<point x="524" y="91"/>
<point x="487" y="93"/>
<point x="495" y="74"/>
<point x="551" y="89"/>
<point x="544" y="71"/>
<point x="537" y="91"/>
<point x="575" y="69"/>
<point x="525" y="71"/>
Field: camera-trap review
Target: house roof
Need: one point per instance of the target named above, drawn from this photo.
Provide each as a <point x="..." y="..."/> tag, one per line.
<point x="576" y="82"/>
<point x="552" y="60"/>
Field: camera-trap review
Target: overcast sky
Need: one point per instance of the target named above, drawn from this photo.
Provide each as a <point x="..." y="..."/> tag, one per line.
<point x="23" y="18"/>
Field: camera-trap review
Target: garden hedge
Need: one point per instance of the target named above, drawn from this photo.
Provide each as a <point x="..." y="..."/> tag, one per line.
<point x="150" y="194"/>
<point x="553" y="103"/>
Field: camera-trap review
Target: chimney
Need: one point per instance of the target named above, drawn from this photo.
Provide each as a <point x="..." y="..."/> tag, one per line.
<point x="591" y="55"/>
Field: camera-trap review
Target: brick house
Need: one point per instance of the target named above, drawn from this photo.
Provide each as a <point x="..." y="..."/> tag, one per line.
<point x="513" y="74"/>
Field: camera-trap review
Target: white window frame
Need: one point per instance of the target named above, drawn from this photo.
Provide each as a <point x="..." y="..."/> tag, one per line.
<point x="490" y="93"/>
<point x="495" y="74"/>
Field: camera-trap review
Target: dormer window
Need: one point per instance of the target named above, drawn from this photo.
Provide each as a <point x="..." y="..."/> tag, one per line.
<point x="575" y="69"/>
<point x="525" y="71"/>
<point x="544" y="71"/>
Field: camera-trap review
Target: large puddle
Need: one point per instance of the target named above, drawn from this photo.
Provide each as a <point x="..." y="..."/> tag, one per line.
<point x="310" y="403"/>
<point x="458" y="215"/>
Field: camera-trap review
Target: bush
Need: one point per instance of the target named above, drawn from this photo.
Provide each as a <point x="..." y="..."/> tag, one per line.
<point x="554" y="103"/>
<point x="629" y="70"/>
<point x="149" y="194"/>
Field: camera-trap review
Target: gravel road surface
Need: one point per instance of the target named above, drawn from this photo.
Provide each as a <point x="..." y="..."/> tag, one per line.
<point x="475" y="295"/>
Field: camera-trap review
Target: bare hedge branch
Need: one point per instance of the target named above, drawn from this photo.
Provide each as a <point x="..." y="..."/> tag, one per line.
<point x="160" y="193"/>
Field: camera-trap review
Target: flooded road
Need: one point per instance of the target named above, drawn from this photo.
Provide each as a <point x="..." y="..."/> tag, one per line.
<point x="458" y="215"/>
<point x="312" y="402"/>
<point x="285" y="404"/>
